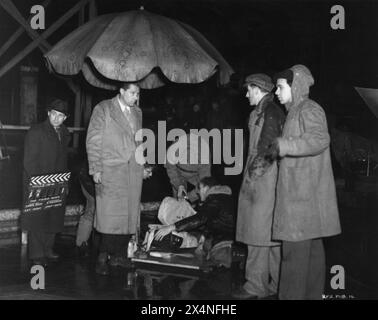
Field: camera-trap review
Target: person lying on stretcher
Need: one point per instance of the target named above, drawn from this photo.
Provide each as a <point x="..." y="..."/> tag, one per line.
<point x="215" y="217"/>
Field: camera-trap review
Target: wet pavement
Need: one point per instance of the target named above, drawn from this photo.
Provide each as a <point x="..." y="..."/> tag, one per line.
<point x="73" y="276"/>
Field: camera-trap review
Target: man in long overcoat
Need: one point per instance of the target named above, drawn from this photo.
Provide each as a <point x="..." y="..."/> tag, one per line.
<point x="45" y="152"/>
<point x="306" y="206"/>
<point x="118" y="176"/>
<point x="257" y="194"/>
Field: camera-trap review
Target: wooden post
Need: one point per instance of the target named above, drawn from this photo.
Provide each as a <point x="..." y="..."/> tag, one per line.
<point x="82" y="16"/>
<point x="28" y="94"/>
<point x="92" y="9"/>
<point x="77" y="116"/>
<point x="79" y="94"/>
<point x="88" y="97"/>
<point x="12" y="104"/>
<point x="87" y="112"/>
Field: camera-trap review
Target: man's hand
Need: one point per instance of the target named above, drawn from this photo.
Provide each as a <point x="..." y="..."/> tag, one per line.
<point x="181" y="192"/>
<point x="163" y="231"/>
<point x="97" y="177"/>
<point x="257" y="168"/>
<point x="147" y="172"/>
<point x="273" y="151"/>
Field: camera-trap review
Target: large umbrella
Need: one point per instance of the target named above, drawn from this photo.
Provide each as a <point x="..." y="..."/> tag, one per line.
<point x="137" y="46"/>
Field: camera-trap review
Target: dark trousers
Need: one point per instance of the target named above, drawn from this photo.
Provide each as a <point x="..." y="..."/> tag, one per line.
<point x="302" y="270"/>
<point x="40" y="244"/>
<point x="114" y="244"/>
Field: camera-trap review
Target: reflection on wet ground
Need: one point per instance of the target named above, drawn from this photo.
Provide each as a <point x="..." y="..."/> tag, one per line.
<point x="73" y="277"/>
<point x="356" y="250"/>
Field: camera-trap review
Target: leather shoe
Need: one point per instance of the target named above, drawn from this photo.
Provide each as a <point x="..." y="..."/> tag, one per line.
<point x="243" y="294"/>
<point x="40" y="262"/>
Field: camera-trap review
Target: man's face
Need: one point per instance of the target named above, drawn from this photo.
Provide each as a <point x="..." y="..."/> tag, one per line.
<point x="252" y="95"/>
<point x="130" y="97"/>
<point x="283" y="91"/>
<point x="56" y="118"/>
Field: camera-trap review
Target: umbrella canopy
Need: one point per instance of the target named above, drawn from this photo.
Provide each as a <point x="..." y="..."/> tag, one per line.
<point x="137" y="46"/>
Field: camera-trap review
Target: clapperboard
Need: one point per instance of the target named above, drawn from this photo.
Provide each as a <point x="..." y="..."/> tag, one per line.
<point x="46" y="192"/>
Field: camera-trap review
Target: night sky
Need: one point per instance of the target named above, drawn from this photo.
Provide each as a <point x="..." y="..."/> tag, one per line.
<point x="255" y="36"/>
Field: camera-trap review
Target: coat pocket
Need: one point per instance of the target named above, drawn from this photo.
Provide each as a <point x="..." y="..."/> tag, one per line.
<point x="299" y="183"/>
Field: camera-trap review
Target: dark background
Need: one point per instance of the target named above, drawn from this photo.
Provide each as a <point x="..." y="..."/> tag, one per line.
<point x="253" y="36"/>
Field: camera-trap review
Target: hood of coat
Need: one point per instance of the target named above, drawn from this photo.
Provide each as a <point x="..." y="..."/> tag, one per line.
<point x="218" y="189"/>
<point x="302" y="81"/>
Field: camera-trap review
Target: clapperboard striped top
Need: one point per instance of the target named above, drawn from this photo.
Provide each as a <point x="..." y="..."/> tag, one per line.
<point x="50" y="178"/>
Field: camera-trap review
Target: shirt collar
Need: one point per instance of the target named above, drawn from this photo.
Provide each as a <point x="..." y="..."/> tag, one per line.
<point x="122" y="105"/>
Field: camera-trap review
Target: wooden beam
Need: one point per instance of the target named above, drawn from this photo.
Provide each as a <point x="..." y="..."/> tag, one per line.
<point x="82" y="16"/>
<point x="44" y="35"/>
<point x="13" y="11"/>
<point x="15" y="127"/>
<point x="12" y="39"/>
<point x="87" y="112"/>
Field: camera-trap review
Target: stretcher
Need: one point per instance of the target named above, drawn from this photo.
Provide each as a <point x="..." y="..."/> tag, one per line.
<point x="183" y="259"/>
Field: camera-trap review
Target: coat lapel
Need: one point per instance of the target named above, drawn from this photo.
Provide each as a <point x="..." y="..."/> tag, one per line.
<point x="118" y="116"/>
<point x="51" y="133"/>
<point x="137" y="115"/>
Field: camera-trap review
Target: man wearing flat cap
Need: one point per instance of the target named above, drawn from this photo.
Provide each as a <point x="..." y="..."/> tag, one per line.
<point x="45" y="152"/>
<point x="257" y="193"/>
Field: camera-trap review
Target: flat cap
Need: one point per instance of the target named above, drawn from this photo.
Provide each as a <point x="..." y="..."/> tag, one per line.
<point x="260" y="80"/>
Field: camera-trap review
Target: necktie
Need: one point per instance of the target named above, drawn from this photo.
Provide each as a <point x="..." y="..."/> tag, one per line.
<point x="57" y="129"/>
<point x="130" y="118"/>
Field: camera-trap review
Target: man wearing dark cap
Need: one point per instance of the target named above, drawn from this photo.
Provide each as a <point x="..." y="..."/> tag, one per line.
<point x="257" y="193"/>
<point x="306" y="206"/>
<point x="45" y="152"/>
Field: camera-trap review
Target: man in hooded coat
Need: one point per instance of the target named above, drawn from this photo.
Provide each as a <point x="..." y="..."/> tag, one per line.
<point x="306" y="205"/>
